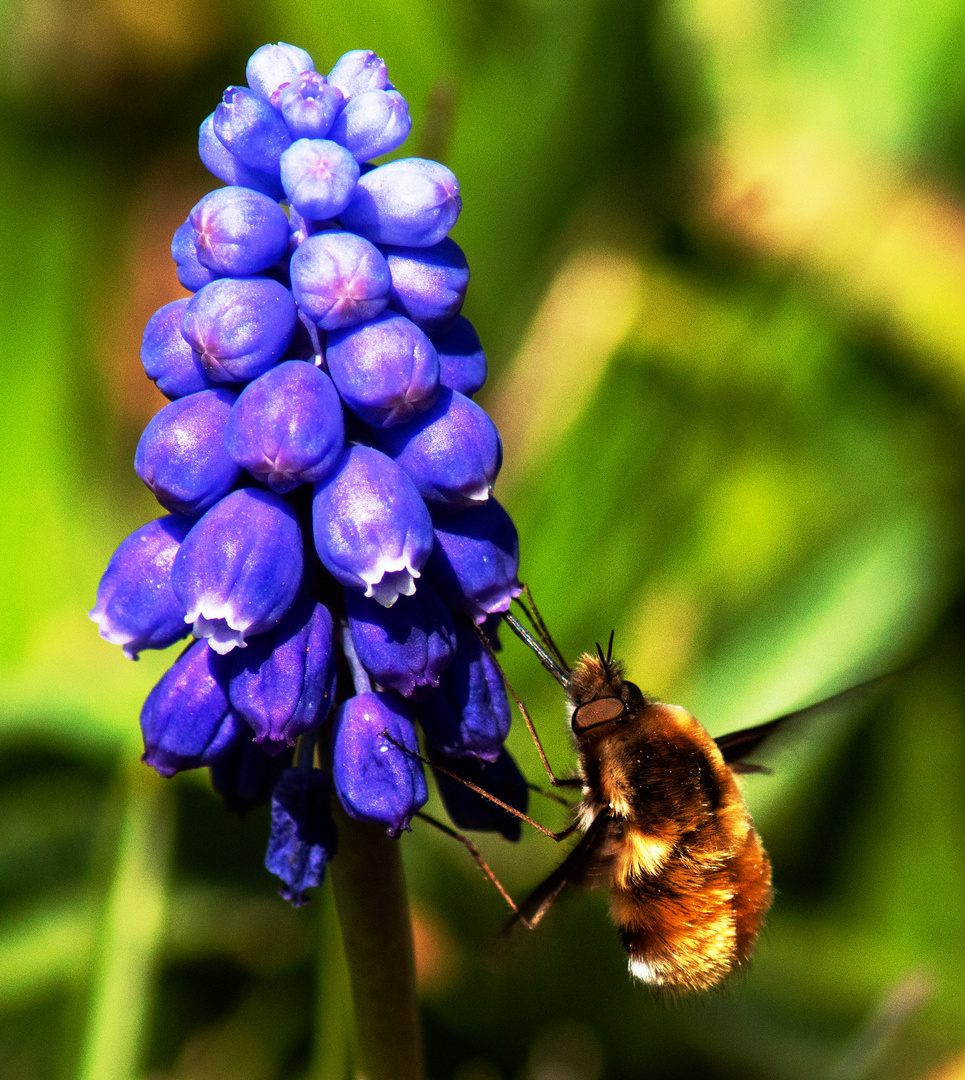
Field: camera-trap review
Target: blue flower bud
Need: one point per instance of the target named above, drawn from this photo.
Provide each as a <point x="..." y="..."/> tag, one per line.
<point x="428" y="284"/>
<point x="272" y="65"/>
<point x="339" y="279"/>
<point x="319" y="177"/>
<point x="411" y="202"/>
<point x="372" y="124"/>
<point x="238" y="232"/>
<point x="136" y="606"/>
<point x="309" y="105"/>
<point x="451" y="452"/>
<point x="372" y="530"/>
<point x="386" y="370"/>
<point x="182" y="455"/>
<point x="467" y="809"/>
<point x="405" y="647"/>
<point x="475" y="560"/>
<point x="283" y="684"/>
<point x="251" y="129"/>
<point x="223" y="164"/>
<point x="468" y="716"/>
<point x="245" y="775"/>
<point x="303" y="837"/>
<point x="462" y="362"/>
<point x="358" y="71"/>
<point x="192" y="274"/>
<point x="167" y="358"/>
<point x="375" y="780"/>
<point x="187" y="720"/>
<point x="239" y="569"/>
<point x="239" y="327"/>
<point x="286" y="427"/>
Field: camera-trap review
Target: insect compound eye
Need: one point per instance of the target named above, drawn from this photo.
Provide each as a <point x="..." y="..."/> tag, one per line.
<point x="600" y="711"/>
<point x="631" y="693"/>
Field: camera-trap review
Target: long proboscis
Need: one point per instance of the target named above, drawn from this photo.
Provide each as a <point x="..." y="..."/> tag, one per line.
<point x="549" y="662"/>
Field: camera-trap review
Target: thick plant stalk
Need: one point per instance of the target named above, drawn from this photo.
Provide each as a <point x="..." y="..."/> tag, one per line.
<point x="373" y="913"/>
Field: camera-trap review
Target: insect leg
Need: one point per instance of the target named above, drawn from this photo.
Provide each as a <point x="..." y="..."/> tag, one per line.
<point x="480" y="862"/>
<point x="557" y="836"/>
<point x="487" y="645"/>
<point x="569" y="781"/>
<point x="540" y="626"/>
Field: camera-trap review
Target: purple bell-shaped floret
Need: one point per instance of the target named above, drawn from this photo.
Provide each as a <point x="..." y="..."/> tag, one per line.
<point x="182" y="456"/>
<point x="272" y="65"/>
<point x="309" y="105"/>
<point x="357" y="71"/>
<point x="192" y="273"/>
<point x="303" y="838"/>
<point x="187" y="720"/>
<point x="226" y="166"/>
<point x="283" y="684"/>
<point x="286" y="427"/>
<point x="471" y="811"/>
<point x="469" y="715"/>
<point x="371" y="124"/>
<point x="375" y="779"/>
<point x="238" y="232"/>
<point x="386" y="370"/>
<point x="410" y="203"/>
<point x="339" y="279"/>
<point x="240" y="327"/>
<point x="475" y="560"/>
<point x="136" y="605"/>
<point x="462" y="362"/>
<point x="428" y="284"/>
<point x="168" y="359"/>
<point x="319" y="177"/>
<point x="372" y="530"/>
<point x="240" y="568"/>
<point x="405" y="647"/>
<point x="451" y="452"/>
<point x="245" y="775"/>
<point x="251" y="129"/>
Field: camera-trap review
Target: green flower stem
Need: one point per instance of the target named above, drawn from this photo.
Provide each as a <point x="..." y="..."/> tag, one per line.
<point x="132" y="928"/>
<point x="333" y="1006"/>
<point x="373" y="912"/>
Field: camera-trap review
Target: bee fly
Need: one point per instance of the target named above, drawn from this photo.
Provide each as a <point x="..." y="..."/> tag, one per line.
<point x="664" y="826"/>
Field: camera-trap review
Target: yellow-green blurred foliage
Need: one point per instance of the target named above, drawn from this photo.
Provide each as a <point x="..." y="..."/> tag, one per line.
<point x="718" y="253"/>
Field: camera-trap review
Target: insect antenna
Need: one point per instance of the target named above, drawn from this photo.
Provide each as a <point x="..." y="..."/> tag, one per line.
<point x="539" y="625"/>
<point x="609" y="649"/>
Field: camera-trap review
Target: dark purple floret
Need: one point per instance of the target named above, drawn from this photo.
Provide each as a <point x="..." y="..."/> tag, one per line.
<point x="286" y="427"/>
<point x="375" y="779"/>
<point x="272" y="65"/>
<point x="240" y="568"/>
<point x="428" y="284"/>
<point x="471" y="811"/>
<point x="136" y="606"/>
<point x="223" y="164"/>
<point x="358" y="71"/>
<point x="309" y="105"/>
<point x="240" y="327"/>
<point x="251" y="129"/>
<point x="386" y="369"/>
<point x="182" y="455"/>
<point x="303" y="837"/>
<point x="475" y="560"/>
<point x="167" y="357"/>
<point x="339" y="279"/>
<point x="372" y="530"/>
<point x="462" y="362"/>
<point x="319" y="177"/>
<point x="410" y="203"/>
<point x="187" y="720"/>
<point x="469" y="715"/>
<point x="406" y="647"/>
<point x="245" y="775"/>
<point x="283" y="683"/>
<point x="238" y="232"/>
<point x="372" y="124"/>
<point x="451" y="452"/>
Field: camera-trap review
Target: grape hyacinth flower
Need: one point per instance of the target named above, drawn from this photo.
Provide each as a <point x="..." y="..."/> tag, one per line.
<point x="332" y="536"/>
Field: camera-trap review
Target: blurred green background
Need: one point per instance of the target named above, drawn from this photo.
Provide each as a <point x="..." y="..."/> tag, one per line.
<point x="718" y="252"/>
